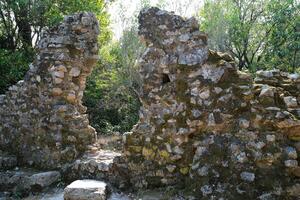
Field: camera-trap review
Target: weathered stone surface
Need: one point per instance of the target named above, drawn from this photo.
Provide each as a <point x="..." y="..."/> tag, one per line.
<point x="38" y="115"/>
<point x="86" y="190"/>
<point x="24" y="181"/>
<point x="98" y="164"/>
<point x="207" y="124"/>
<point x="44" y="179"/>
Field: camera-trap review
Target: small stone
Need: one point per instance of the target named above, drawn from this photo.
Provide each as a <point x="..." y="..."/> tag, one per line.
<point x="218" y="90"/>
<point x="242" y="157"/>
<point x="61" y="68"/>
<point x="267" y="91"/>
<point x="2" y="97"/>
<point x="199" y="152"/>
<point x="71" y="138"/>
<point x="291" y="152"/>
<point x="171" y="168"/>
<point x="44" y="179"/>
<point x="58" y="80"/>
<point x="59" y="74"/>
<point x="270" y="138"/>
<point x="266" y="74"/>
<point x="243" y="123"/>
<point x="212" y="73"/>
<point x="57" y="91"/>
<point x="280" y="115"/>
<point x="184" y="37"/>
<point x="168" y="147"/>
<point x="175" y="157"/>
<point x="74" y="72"/>
<point x="197" y="56"/>
<point x="196" y="113"/>
<point x="178" y="150"/>
<point x="211" y="119"/>
<point x="259" y="145"/>
<point x="294" y="76"/>
<point x="85" y="21"/>
<point x="206" y="190"/>
<point x="296" y="171"/>
<point x="247" y="176"/>
<point x="294" y="190"/>
<point x="203" y="171"/>
<point x="291" y="163"/>
<point x="266" y="196"/>
<point x="71" y="97"/>
<point x="85" y="190"/>
<point x="194" y="91"/>
<point x="290" y="101"/>
<point x="183" y="131"/>
<point x="272" y="108"/>
<point x="205" y="94"/>
<point x="38" y="78"/>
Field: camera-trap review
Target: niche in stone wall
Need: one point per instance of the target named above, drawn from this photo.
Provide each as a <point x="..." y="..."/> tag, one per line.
<point x="165" y="79"/>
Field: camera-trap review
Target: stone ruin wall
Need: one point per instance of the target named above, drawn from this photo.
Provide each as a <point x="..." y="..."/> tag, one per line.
<point x="42" y="119"/>
<point x="205" y="125"/>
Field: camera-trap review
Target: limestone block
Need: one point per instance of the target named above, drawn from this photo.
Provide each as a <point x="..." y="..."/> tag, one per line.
<point x="86" y="190"/>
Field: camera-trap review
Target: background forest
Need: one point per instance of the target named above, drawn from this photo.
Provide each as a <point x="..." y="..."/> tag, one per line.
<point x="259" y="34"/>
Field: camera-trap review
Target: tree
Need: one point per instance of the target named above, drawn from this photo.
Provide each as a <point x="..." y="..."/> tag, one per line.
<point x="283" y="45"/>
<point x="213" y="21"/>
<point x="21" y="23"/>
<point x="257" y="33"/>
<point x="244" y="30"/>
<point x="111" y="93"/>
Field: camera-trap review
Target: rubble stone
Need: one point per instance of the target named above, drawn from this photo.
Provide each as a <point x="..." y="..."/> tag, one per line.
<point x="86" y="190"/>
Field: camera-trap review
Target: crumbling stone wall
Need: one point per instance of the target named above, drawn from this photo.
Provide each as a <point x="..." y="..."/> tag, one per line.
<point x="42" y="119"/>
<point x="207" y="126"/>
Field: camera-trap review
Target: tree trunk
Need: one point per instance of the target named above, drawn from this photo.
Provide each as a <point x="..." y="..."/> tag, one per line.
<point x="23" y="23"/>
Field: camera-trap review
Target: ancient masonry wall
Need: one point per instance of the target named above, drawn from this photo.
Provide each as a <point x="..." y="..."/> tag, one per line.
<point x="42" y="119"/>
<point x="207" y="126"/>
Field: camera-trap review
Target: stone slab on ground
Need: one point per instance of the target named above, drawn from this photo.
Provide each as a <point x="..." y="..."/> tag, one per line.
<point x="44" y="179"/>
<point x="85" y="190"/>
<point x="24" y="181"/>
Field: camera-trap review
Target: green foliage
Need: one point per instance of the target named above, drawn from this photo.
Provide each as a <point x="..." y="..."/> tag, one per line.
<point x="13" y="66"/>
<point x="283" y="45"/>
<point x="58" y="8"/>
<point x="112" y="90"/>
<point x="259" y="34"/>
<point x="21" y="23"/>
<point x="214" y="22"/>
<point x="110" y="96"/>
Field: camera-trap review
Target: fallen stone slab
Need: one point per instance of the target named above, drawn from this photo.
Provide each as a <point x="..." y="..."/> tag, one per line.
<point x="25" y="181"/>
<point x="85" y="190"/>
<point x="44" y="179"/>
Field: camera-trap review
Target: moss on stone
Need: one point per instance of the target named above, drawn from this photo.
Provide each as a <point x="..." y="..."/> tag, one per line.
<point x="184" y="170"/>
